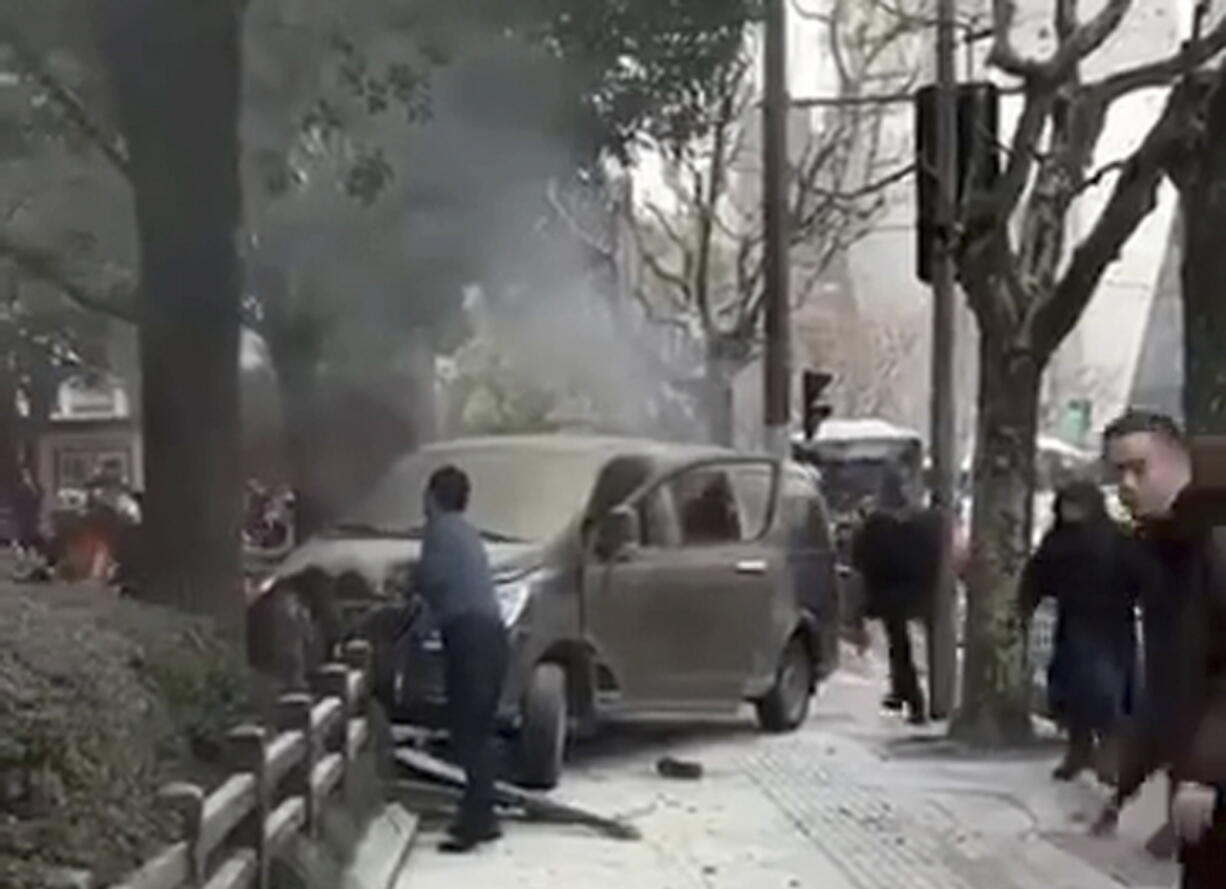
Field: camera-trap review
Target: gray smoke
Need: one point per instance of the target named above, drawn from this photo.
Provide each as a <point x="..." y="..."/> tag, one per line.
<point x="468" y="204"/>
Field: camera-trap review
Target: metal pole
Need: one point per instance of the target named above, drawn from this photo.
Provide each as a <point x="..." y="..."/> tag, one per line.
<point x="777" y="362"/>
<point x="942" y="647"/>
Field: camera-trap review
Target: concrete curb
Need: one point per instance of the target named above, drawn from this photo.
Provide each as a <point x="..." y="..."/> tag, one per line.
<point x="381" y="853"/>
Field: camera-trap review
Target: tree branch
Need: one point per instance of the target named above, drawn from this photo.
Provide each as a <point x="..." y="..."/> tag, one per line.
<point x="1087" y="39"/>
<point x="42" y="265"/>
<point x="1162" y="72"/>
<point x="1096" y="178"/>
<point x="868" y="189"/>
<point x="1004" y="55"/>
<point x="1082" y="42"/>
<point x="1003" y="200"/>
<point x="1134" y="198"/>
<point x="70" y="105"/>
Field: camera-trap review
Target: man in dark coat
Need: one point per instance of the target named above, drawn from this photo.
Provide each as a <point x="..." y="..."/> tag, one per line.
<point x="454" y="578"/>
<point x="897" y="553"/>
<point x="1182" y="723"/>
<point x="27" y="514"/>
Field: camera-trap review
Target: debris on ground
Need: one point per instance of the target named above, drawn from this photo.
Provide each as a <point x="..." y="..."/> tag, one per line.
<point x="679" y="769"/>
<point x="533" y="806"/>
<point x="102" y="701"/>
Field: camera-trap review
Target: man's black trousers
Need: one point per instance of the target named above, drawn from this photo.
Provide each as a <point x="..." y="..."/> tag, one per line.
<point x="475" y="650"/>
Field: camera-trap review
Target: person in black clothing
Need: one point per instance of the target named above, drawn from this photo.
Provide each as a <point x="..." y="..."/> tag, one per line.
<point x="897" y="553"/>
<point x="1181" y="583"/>
<point x="27" y="514"/>
<point x="454" y="578"/>
<point x="1087" y="565"/>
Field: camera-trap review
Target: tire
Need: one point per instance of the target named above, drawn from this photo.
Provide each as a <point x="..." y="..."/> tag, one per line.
<point x="542" y="740"/>
<point x="786" y="706"/>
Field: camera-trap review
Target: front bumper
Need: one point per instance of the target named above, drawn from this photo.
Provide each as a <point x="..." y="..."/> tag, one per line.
<point x="420" y="687"/>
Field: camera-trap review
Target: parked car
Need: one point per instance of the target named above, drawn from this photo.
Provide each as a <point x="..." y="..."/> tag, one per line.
<point x="636" y="579"/>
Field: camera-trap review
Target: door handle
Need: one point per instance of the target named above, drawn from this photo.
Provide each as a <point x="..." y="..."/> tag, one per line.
<point x="751" y="566"/>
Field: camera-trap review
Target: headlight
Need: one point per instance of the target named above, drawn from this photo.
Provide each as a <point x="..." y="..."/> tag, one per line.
<point x="514" y="596"/>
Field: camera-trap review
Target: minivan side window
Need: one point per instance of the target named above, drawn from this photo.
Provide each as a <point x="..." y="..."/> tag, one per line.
<point x="706" y="507"/>
<point x="754" y="487"/>
<point x="657" y="522"/>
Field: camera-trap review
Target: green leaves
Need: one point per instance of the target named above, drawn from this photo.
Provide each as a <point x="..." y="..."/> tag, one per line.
<point x="634" y="66"/>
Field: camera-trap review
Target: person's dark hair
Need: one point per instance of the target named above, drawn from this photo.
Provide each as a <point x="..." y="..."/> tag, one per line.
<point x="1136" y="421"/>
<point x="449" y="488"/>
<point x="1084" y="494"/>
<point x="891" y="495"/>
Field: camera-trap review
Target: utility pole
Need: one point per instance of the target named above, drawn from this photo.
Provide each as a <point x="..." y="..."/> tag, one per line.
<point x="777" y="371"/>
<point x="942" y="637"/>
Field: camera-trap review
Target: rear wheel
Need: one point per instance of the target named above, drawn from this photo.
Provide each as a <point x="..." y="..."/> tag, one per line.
<point x="542" y="740"/>
<point x="786" y="706"/>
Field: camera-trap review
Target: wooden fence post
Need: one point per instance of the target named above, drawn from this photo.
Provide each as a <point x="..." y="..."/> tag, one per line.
<point x="359" y="655"/>
<point x="187" y="802"/>
<point x="333" y="681"/>
<point x="294" y="715"/>
<point x="249" y="751"/>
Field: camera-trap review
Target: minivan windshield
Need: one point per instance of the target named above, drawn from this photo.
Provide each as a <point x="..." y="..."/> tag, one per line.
<point x="519" y="494"/>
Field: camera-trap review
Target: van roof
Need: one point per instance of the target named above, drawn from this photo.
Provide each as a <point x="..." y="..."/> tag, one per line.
<point x="863" y="429"/>
<point x="595" y="445"/>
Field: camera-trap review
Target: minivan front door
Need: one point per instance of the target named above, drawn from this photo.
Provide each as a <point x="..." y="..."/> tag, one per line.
<point x="680" y="620"/>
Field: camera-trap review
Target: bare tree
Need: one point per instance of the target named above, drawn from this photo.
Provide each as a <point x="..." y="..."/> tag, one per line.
<point x="1199" y="173"/>
<point x="701" y="241"/>
<point x="871" y="360"/>
<point x="1027" y="296"/>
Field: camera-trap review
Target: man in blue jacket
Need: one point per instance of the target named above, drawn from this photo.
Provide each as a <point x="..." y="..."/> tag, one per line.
<point x="454" y="578"/>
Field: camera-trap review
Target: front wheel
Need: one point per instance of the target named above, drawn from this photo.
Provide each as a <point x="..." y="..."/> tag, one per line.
<point x="786" y="706"/>
<point x="542" y="740"/>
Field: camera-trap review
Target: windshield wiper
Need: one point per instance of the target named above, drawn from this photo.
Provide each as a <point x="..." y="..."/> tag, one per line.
<point x="363" y="529"/>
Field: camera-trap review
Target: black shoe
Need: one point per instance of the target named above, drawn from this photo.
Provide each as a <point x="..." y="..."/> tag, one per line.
<point x="458" y="845"/>
<point x="1067" y="771"/>
<point x="893" y="703"/>
<point x="1070" y="768"/>
<point x="461" y="834"/>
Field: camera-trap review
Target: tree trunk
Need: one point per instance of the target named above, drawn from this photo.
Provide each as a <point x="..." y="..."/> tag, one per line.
<point x="1204" y="310"/>
<point x="175" y="69"/>
<point x="42" y="392"/>
<point x="10" y="434"/>
<point x="995" y="707"/>
<point x="295" y="360"/>
<point x="1202" y="184"/>
<point x="717" y="401"/>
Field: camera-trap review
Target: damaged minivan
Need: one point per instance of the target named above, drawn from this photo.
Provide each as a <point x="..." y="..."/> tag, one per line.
<point x="636" y="578"/>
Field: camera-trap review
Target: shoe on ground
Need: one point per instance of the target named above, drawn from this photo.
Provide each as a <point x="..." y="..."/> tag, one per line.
<point x="1068" y="771"/>
<point x="461" y="834"/>
<point x="458" y="845"/>
<point x="893" y="703"/>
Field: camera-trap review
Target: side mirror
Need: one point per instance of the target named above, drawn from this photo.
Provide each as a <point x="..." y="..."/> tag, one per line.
<point x="616" y="532"/>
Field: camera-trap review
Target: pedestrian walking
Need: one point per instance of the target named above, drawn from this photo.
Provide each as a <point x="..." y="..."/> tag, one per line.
<point x="453" y="576"/>
<point x="1182" y="721"/>
<point x="27" y="515"/>
<point x="897" y="553"/>
<point x="1085" y="563"/>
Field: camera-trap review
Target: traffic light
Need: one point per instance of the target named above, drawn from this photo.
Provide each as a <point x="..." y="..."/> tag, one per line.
<point x="814" y="384"/>
<point x="977" y="151"/>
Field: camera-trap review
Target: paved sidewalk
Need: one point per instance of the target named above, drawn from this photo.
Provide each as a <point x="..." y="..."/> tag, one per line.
<point x="856" y="800"/>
